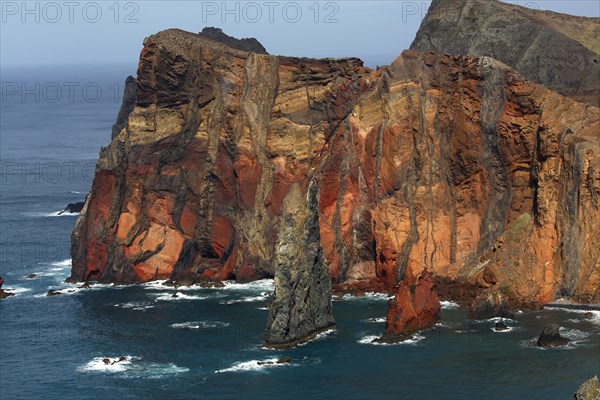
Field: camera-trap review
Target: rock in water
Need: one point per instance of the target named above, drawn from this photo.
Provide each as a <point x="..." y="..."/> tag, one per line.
<point x="302" y="305"/>
<point x="541" y="45"/>
<point x="73" y="207"/>
<point x="4" y="294"/>
<point x="412" y="308"/>
<point x="500" y="327"/>
<point x="589" y="390"/>
<point x="490" y="305"/>
<point x="550" y="337"/>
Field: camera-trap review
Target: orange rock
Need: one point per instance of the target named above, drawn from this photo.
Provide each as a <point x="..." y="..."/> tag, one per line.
<point x="413" y="307"/>
<point x="453" y="164"/>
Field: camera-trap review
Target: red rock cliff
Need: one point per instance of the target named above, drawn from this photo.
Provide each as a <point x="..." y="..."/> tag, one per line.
<point x="451" y="163"/>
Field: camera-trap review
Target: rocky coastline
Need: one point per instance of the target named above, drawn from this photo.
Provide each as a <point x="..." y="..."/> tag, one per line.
<point x="452" y="173"/>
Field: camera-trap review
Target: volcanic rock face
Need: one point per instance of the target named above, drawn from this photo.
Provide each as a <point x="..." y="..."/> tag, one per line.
<point x="412" y="308"/>
<point x="454" y="164"/>
<point x="246" y="44"/>
<point x="490" y="305"/>
<point x="302" y="305"/>
<point x="559" y="51"/>
<point x="127" y="106"/>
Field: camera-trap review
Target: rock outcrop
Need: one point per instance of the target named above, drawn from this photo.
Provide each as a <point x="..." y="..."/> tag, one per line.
<point x="127" y="105"/>
<point x="550" y="337"/>
<point x="246" y="44"/>
<point x="413" y="307"/>
<point x="302" y="305"/>
<point x="73" y="208"/>
<point x="589" y="390"/>
<point x="449" y="163"/>
<point x="4" y="294"/>
<point x="490" y="305"/>
<point x="559" y="51"/>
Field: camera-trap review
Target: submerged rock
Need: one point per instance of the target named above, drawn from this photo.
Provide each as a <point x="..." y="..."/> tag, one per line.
<point x="302" y="304"/>
<point x="412" y="308"/>
<point x="212" y="284"/>
<point x="589" y="390"/>
<point x="31" y="276"/>
<point x="53" y="292"/>
<point x="500" y="327"/>
<point x="282" y="360"/>
<point x="550" y="337"/>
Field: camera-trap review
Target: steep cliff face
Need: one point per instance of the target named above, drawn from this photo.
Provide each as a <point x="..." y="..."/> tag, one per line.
<point x="559" y="51"/>
<point x="451" y="163"/>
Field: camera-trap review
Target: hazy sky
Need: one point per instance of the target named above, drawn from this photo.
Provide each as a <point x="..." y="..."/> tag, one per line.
<point x="67" y="32"/>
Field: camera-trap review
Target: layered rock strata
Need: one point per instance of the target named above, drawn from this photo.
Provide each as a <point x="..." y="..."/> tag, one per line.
<point x="453" y="164"/>
<point x="559" y="51"/>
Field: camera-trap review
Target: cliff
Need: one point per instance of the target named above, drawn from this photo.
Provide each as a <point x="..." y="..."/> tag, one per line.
<point x="451" y="163"/>
<point x="559" y="51"/>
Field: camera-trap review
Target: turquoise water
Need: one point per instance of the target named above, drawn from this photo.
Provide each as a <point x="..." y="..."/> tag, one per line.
<point x="205" y="343"/>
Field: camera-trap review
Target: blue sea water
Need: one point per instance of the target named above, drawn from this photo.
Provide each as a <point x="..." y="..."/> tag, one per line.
<point x="205" y="343"/>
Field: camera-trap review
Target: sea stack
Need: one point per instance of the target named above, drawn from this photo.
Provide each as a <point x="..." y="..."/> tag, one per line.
<point x="302" y="305"/>
<point x="413" y="307"/>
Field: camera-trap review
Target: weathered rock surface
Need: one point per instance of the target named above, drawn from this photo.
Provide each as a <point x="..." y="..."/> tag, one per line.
<point x="127" y="105"/>
<point x="550" y="337"/>
<point x="302" y="305"/>
<point x="413" y="307"/>
<point x="455" y="164"/>
<point x="589" y="390"/>
<point x="490" y="305"/>
<point x="559" y="51"/>
<point x="246" y="44"/>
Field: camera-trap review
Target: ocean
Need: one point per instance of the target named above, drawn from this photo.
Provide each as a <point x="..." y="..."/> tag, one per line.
<point x="188" y="343"/>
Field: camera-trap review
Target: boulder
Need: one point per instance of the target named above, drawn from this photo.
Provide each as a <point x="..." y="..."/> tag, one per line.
<point x="589" y="390"/>
<point x="500" y="327"/>
<point x="550" y="337"/>
<point x="490" y="305"/>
